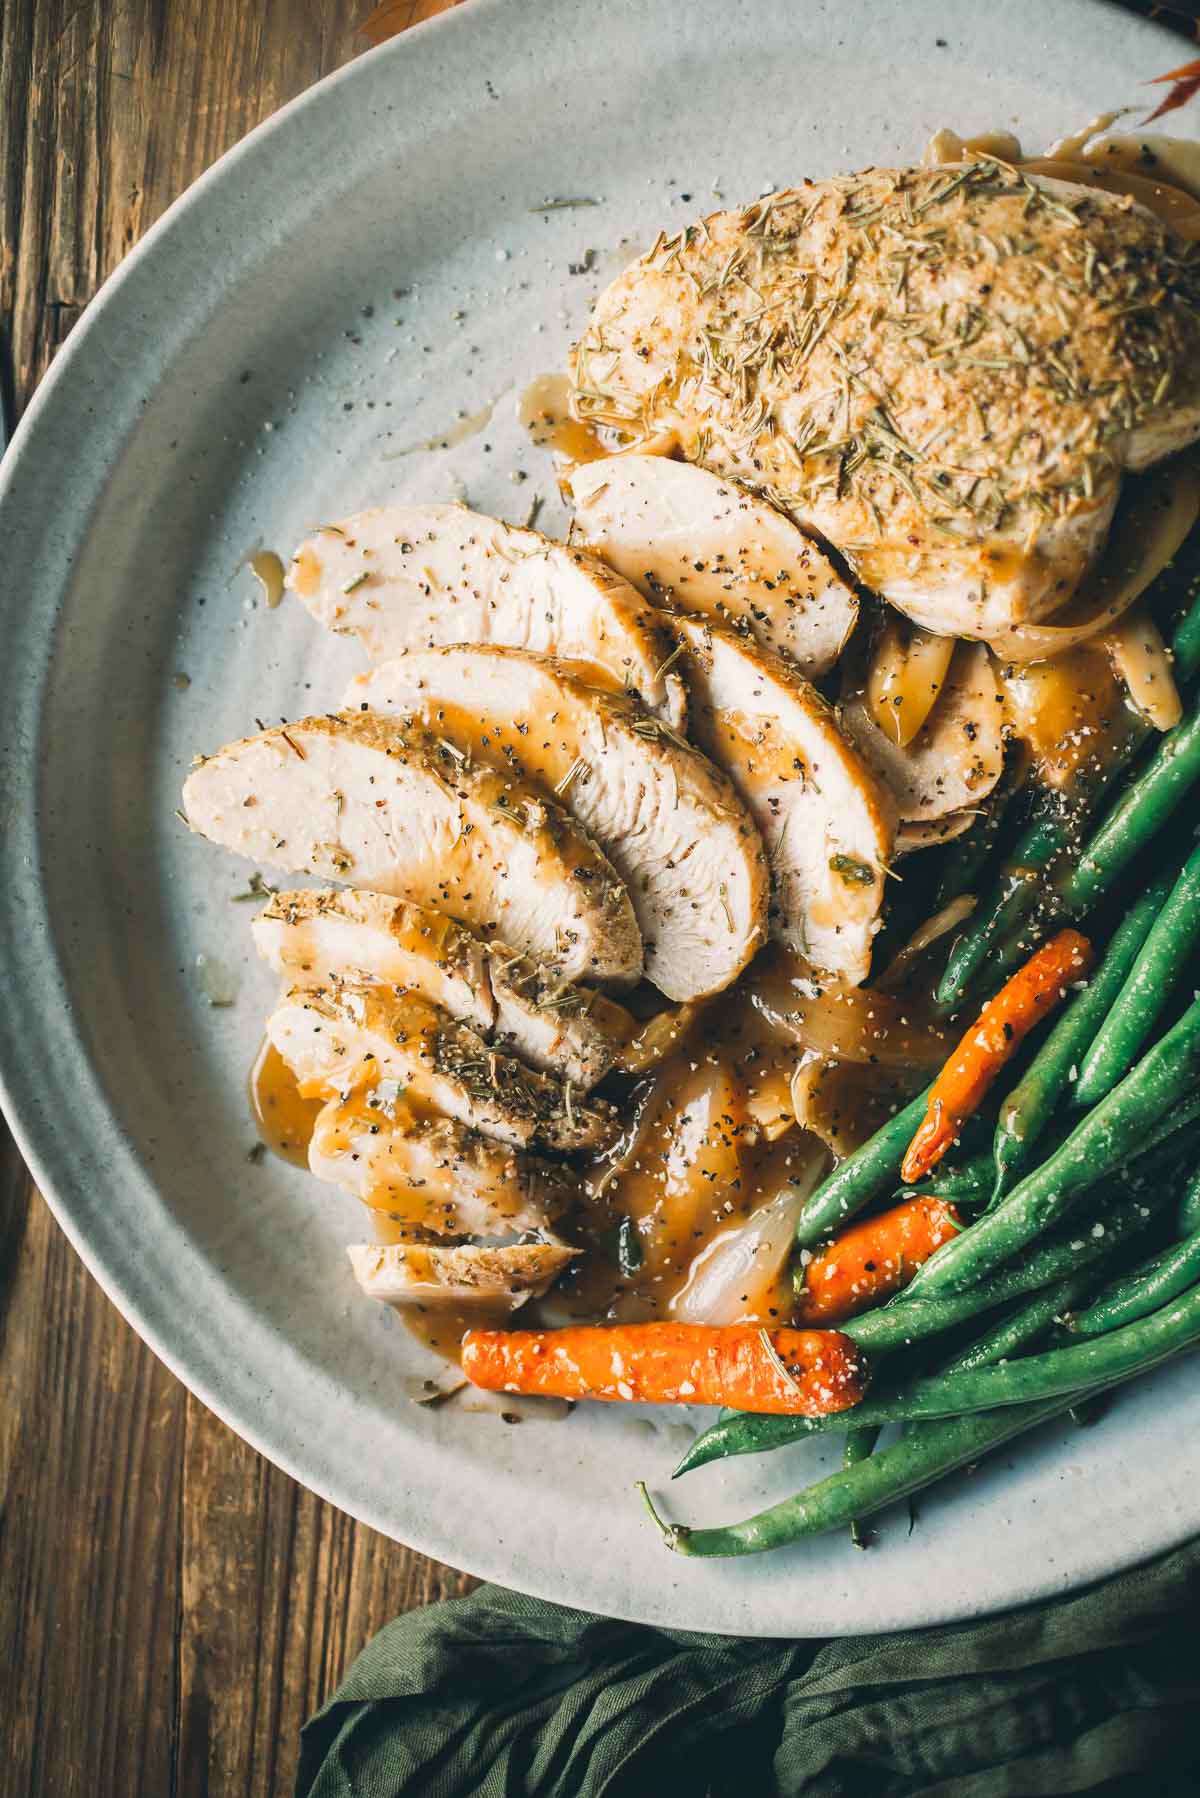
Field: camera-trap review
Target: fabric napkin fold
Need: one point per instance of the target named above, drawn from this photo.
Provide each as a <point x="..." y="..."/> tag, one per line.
<point x="499" y="1696"/>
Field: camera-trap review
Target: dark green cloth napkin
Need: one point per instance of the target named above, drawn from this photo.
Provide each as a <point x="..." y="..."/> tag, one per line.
<point x="500" y="1696"/>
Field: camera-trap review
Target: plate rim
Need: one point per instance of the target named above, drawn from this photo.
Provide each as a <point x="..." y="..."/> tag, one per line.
<point x="27" y="1124"/>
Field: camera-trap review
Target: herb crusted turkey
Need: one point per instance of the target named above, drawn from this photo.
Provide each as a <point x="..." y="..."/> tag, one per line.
<point x="942" y="370"/>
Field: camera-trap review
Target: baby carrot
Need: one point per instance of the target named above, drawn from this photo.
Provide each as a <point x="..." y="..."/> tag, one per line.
<point x="1027" y="997"/>
<point x="803" y="1373"/>
<point x="873" y="1259"/>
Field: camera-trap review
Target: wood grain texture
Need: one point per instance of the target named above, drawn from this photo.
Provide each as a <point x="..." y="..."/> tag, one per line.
<point x="171" y="1606"/>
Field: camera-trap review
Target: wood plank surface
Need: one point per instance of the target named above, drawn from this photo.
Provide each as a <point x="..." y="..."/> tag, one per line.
<point x="171" y="1606"/>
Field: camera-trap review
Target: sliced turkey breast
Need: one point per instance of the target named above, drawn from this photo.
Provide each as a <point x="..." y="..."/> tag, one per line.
<point x="671" y="824"/>
<point x="316" y="936"/>
<point x="433" y="1174"/>
<point x="412" y="1274"/>
<point x="825" y="818"/>
<point x="319" y="937"/>
<point x="676" y="530"/>
<point x="346" y="1037"/>
<point x="957" y="756"/>
<point x="417" y="577"/>
<point x="403" y="812"/>
<point x="942" y="370"/>
<point x="572" y="1031"/>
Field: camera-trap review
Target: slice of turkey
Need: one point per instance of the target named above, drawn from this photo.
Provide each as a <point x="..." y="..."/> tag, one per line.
<point x="670" y="823"/>
<point x="825" y="818"/>
<point x="433" y="1174"/>
<point x="345" y="1037"/>
<point x="569" y="1030"/>
<point x="317" y="937"/>
<point x="417" y="577"/>
<point x="412" y="1274"/>
<point x="911" y="362"/>
<point x="399" y="811"/>
<point x="676" y="530"/>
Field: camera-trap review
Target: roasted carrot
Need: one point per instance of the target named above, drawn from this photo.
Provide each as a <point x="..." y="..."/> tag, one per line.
<point x="805" y="1373"/>
<point x="874" y="1258"/>
<point x="1030" y="995"/>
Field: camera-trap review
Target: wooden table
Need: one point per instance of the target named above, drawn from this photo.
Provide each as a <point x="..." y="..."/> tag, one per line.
<point x="172" y="1607"/>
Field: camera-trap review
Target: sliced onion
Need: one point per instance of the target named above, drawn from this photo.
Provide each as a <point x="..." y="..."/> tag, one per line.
<point x="1171" y="204"/>
<point x="908" y="667"/>
<point x="657" y="1038"/>
<point x="732" y="1279"/>
<point x="842" y="1023"/>
<point x="947" y="146"/>
<point x="1140" y="657"/>
<point x="1069" y="713"/>
<point x="844" y="1104"/>
<point x="1166" y="161"/>
<point x="1154" y="514"/>
<point x="916" y="833"/>
<point x="957" y="758"/>
<point x="939" y="925"/>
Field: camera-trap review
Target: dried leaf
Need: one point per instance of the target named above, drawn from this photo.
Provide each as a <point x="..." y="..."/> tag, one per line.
<point x="1186" y="79"/>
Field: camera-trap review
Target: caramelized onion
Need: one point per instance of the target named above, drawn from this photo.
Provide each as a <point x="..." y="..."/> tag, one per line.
<point x="1070" y="713"/>
<point x="1154" y="514"/>
<point x="1140" y="657"/>
<point x="1167" y="161"/>
<point x="842" y="1023"/>
<point x="915" y="833"/>
<point x="939" y="925"/>
<point x="657" y="1038"/>
<point x="845" y="1104"/>
<point x="908" y="667"/>
<point x="734" y="1279"/>
<point x="1176" y="208"/>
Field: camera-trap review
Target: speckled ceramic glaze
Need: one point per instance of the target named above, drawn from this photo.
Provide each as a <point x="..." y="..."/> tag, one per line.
<point x="327" y="300"/>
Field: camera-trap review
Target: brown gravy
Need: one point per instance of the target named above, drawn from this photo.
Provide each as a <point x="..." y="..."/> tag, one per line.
<point x="284" y="1120"/>
<point x="544" y="409"/>
<point x="1071" y="712"/>
<point x="268" y="571"/>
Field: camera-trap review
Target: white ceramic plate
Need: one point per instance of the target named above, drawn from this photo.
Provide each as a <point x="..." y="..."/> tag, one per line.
<point x="338" y="289"/>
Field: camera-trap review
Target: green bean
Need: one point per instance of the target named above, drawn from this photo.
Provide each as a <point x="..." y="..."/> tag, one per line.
<point x="754" y="1433"/>
<point x="1032" y="1102"/>
<point x="1024" y="1390"/>
<point x="859" y="1446"/>
<point x="1154" y="1283"/>
<point x="1021" y="884"/>
<point x="1024" y="1324"/>
<point x="1171" y="1124"/>
<point x="965" y="1184"/>
<point x="1104" y="1139"/>
<point x="965" y="857"/>
<point x="1144" y="807"/>
<point x="1066" y="1255"/>
<point x="1185" y="644"/>
<point x="1096" y="1360"/>
<point x="860" y="1178"/>
<point x="917" y="1460"/>
<point x="1051" y="835"/>
<point x="1188" y="1218"/>
<point x="1117" y="1352"/>
<point x="909" y="1319"/>
<point x="1137" y="1007"/>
